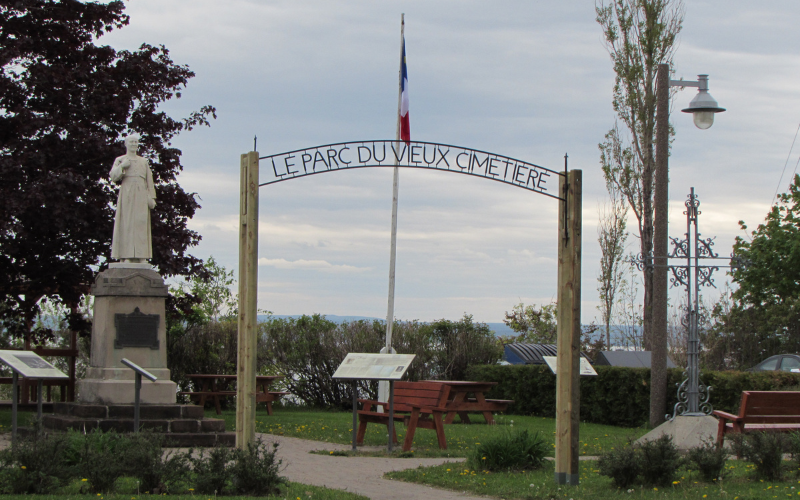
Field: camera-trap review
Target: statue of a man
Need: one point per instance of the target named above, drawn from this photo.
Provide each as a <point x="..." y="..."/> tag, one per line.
<point x="132" y="241"/>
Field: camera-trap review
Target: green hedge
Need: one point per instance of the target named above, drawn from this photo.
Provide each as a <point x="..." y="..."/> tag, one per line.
<point x="618" y="396"/>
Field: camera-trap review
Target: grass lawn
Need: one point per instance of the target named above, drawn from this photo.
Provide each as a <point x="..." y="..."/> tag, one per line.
<point x="336" y="427"/>
<point x="540" y="484"/>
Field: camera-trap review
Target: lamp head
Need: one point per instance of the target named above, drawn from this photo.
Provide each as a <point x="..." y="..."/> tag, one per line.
<point x="703" y="106"/>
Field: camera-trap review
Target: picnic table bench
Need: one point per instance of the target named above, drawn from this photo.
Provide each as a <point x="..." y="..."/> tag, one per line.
<point x="466" y="396"/>
<point x="416" y="404"/>
<point x="772" y="411"/>
<point x="215" y="387"/>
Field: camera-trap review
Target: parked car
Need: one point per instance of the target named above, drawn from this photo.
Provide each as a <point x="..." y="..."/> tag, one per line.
<point x="782" y="362"/>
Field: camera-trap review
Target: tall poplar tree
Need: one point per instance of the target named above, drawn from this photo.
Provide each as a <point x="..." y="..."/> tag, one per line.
<point x="639" y="35"/>
<point x="65" y="105"/>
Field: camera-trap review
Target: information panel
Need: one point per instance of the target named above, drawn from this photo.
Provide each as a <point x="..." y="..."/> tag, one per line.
<point x="30" y="365"/>
<point x="586" y="367"/>
<point x="367" y="366"/>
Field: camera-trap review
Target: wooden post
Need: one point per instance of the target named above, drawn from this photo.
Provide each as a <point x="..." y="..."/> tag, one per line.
<point x="248" y="295"/>
<point x="569" y="330"/>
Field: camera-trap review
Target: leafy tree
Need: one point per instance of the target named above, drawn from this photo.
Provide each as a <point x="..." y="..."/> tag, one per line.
<point x="65" y="105"/>
<point x="536" y="325"/>
<point x="612" y="235"/>
<point x="639" y="35"/>
<point x="763" y="316"/>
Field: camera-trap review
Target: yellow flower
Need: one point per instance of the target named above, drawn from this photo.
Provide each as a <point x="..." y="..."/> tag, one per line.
<point x="676" y="482"/>
<point x="448" y="470"/>
<point x="705" y="496"/>
<point x="84" y="480"/>
<point x="24" y="467"/>
<point x="331" y="453"/>
<point x="191" y="489"/>
<point x="655" y="489"/>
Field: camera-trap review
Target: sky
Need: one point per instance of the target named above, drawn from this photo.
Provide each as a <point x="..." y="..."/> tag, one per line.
<point x="528" y="80"/>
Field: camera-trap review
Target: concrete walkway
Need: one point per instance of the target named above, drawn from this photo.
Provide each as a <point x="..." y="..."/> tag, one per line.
<point x="362" y="475"/>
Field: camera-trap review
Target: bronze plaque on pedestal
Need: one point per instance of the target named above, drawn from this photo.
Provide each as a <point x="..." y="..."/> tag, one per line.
<point x="136" y="330"/>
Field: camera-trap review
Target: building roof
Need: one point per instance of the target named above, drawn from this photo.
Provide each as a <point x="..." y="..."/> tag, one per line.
<point x="630" y="359"/>
<point x="530" y="354"/>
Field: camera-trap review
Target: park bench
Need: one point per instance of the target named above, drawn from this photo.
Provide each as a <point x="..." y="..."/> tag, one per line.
<point x="416" y="404"/>
<point x="771" y="411"/>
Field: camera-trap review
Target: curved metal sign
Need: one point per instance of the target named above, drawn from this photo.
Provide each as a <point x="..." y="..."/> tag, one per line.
<point x="427" y="155"/>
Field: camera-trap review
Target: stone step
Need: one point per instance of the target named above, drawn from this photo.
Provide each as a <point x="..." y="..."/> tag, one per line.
<point x="146" y="411"/>
<point x="182" y="425"/>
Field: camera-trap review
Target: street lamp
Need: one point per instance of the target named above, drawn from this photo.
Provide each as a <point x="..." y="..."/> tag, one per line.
<point x="703" y="107"/>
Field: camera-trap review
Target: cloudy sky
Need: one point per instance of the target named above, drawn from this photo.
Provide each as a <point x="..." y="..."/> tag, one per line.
<point x="529" y="80"/>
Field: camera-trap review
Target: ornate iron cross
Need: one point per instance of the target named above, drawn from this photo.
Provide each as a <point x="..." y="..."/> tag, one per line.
<point x="697" y="271"/>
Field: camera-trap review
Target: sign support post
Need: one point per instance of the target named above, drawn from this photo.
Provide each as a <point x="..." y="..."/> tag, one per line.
<point x="248" y="305"/>
<point x="569" y="329"/>
<point x="14" y="406"/>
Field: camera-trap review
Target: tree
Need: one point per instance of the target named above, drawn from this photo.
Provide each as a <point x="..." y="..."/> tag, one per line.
<point x="539" y="325"/>
<point x="763" y="316"/>
<point x="65" y="105"/>
<point x="612" y="235"/>
<point x="536" y="325"/>
<point x="639" y="35"/>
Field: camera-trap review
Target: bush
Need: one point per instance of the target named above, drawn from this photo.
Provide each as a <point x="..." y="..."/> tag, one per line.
<point x="254" y="471"/>
<point x="660" y="461"/>
<point x="307" y="351"/>
<point x="157" y="472"/>
<point x="622" y="464"/>
<point x="36" y="466"/>
<point x="510" y="451"/>
<point x="212" y="470"/>
<point x="709" y="460"/>
<point x="655" y="462"/>
<point x="765" y="451"/>
<point x="99" y="458"/>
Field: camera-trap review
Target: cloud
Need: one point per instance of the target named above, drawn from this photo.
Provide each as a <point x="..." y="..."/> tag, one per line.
<point x="315" y="265"/>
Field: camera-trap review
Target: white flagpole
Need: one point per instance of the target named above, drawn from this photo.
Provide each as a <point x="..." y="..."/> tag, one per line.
<point x="383" y="387"/>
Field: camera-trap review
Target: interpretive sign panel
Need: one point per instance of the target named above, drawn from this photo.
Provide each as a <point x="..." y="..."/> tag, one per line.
<point x="586" y="367"/>
<point x="367" y="366"/>
<point x="427" y="155"/>
<point x="30" y="365"/>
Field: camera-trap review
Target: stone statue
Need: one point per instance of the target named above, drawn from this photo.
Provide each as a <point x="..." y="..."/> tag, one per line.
<point x="132" y="241"/>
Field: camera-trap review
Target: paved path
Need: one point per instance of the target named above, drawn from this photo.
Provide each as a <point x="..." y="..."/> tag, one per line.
<point x="362" y="475"/>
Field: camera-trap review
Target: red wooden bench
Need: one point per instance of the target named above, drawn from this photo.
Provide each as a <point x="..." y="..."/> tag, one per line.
<point x="417" y="404"/>
<point x="772" y="411"/>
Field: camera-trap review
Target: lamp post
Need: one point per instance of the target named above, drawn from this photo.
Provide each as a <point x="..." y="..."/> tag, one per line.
<point x="703" y="107"/>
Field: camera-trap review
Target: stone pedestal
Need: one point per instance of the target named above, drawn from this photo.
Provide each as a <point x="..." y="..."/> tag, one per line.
<point x="129" y="322"/>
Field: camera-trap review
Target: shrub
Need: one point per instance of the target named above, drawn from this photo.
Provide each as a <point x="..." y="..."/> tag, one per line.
<point x="510" y="451"/>
<point x="307" y="351"/>
<point x="157" y="472"/>
<point x="622" y="464"/>
<point x="765" y="451"/>
<point x="709" y="460"/>
<point x="35" y="465"/>
<point x="99" y="458"/>
<point x="254" y="471"/>
<point x="660" y="461"/>
<point x="212" y="470"/>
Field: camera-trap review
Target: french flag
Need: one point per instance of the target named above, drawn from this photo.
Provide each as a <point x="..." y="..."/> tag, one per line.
<point x="405" y="126"/>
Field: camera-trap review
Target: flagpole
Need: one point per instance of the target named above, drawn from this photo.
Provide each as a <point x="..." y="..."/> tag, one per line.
<point x="395" y="190"/>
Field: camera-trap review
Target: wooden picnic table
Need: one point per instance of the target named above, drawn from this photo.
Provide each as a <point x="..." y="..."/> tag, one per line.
<point x="467" y="396"/>
<point x="220" y="386"/>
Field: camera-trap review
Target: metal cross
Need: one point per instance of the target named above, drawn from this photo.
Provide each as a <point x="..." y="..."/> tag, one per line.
<point x="692" y="395"/>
